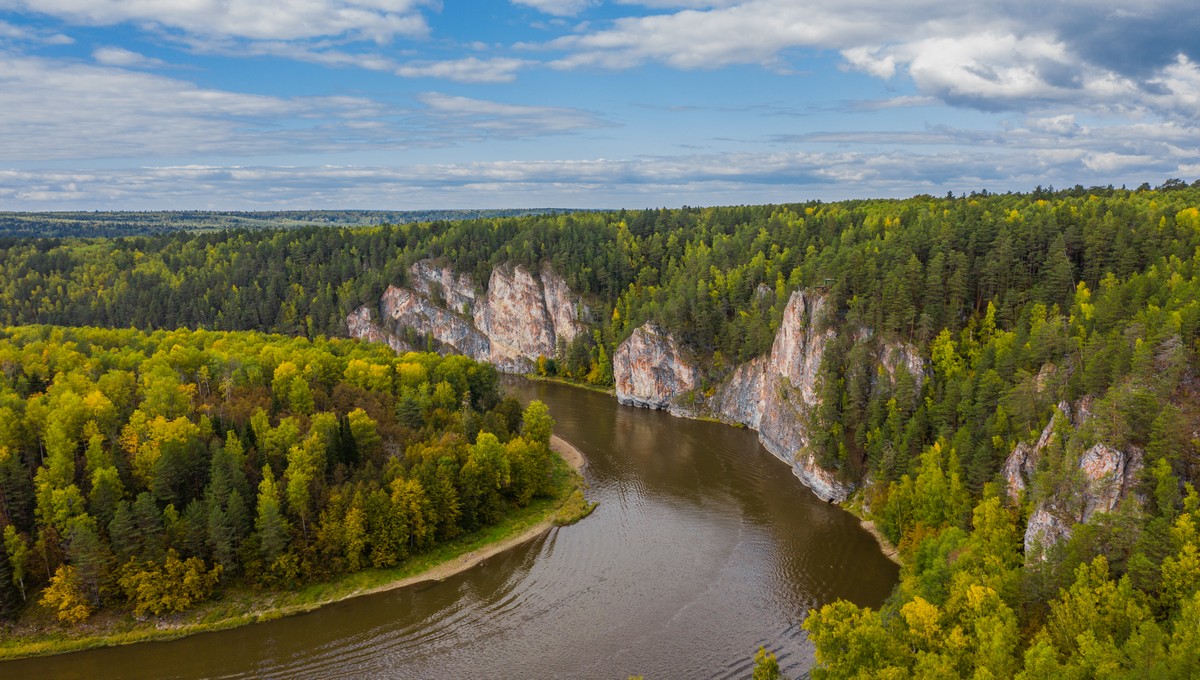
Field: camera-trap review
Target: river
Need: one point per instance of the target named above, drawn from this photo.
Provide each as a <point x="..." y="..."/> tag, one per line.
<point x="703" y="548"/>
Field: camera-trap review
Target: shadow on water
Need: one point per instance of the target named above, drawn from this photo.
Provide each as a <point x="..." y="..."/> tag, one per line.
<point x="703" y="548"/>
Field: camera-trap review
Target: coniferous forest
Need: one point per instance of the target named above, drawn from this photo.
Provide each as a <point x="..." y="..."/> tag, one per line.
<point x="1022" y="306"/>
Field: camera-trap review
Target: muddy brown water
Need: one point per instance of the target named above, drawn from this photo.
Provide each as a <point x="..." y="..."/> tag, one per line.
<point x="703" y="548"/>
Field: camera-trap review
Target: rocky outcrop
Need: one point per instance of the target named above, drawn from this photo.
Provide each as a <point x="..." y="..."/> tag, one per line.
<point x="515" y="318"/>
<point x="650" y="371"/>
<point x="1105" y="476"/>
<point x="440" y="284"/>
<point x="563" y="306"/>
<point x="403" y="309"/>
<point x="775" y="393"/>
<point x="362" y="324"/>
<point x="1022" y="462"/>
<point x="895" y="355"/>
<point x="519" y="319"/>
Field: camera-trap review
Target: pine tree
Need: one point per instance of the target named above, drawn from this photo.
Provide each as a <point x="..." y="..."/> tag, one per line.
<point x="271" y="526"/>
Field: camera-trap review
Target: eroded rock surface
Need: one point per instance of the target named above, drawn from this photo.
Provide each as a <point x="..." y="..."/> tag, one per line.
<point x="520" y="318"/>
<point x="1106" y="475"/>
<point x="650" y="371"/>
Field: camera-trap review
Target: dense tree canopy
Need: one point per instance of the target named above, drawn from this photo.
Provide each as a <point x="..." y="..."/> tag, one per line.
<point x="150" y="468"/>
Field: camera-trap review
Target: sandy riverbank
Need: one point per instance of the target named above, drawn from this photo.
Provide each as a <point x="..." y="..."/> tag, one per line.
<point x="885" y="546"/>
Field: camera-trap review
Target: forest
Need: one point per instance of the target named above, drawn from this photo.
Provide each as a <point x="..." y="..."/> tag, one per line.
<point x="1019" y="304"/>
<point x="140" y="223"/>
<point x="146" y="471"/>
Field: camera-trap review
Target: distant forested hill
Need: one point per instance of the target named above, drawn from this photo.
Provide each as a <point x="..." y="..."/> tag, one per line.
<point x="130" y="223"/>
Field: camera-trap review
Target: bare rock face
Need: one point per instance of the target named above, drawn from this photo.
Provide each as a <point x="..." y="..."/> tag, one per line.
<point x="562" y="305"/>
<point x="520" y="318"/>
<point x="799" y="347"/>
<point x="774" y="393"/>
<point x="650" y="371"/>
<point x="1044" y="530"/>
<point x="402" y="308"/>
<point x="432" y="281"/>
<point x="361" y="323"/>
<point x="1022" y="462"/>
<point x="1108" y="476"/>
<point x="895" y="355"/>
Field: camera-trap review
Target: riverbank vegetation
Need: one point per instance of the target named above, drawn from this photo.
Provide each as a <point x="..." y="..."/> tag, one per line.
<point x="142" y="474"/>
<point x="1017" y="307"/>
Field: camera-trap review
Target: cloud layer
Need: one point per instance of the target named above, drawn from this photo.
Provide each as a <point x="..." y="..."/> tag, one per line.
<point x="377" y="20"/>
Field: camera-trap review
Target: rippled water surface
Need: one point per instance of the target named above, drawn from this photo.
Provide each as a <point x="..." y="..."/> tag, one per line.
<point x="703" y="548"/>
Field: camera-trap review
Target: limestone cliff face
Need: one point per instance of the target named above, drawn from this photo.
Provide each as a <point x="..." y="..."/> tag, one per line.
<point x="520" y="318"/>
<point x="775" y="393"/>
<point x="514" y="318"/>
<point x="562" y="305"/>
<point x="650" y="371"/>
<point x="456" y="290"/>
<point x="1105" y="477"/>
<point x="403" y="309"/>
<point x="362" y="324"/>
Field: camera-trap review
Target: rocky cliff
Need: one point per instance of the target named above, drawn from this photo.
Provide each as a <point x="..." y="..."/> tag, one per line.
<point x="650" y="371"/>
<point x="1104" y="476"/>
<point x="520" y="318"/>
<point x="773" y="394"/>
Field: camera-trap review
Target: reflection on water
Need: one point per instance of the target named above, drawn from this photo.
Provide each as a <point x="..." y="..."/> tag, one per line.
<point x="703" y="548"/>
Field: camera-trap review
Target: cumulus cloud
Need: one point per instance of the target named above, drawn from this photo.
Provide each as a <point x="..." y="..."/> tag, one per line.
<point x="377" y="20"/>
<point x="1006" y="55"/>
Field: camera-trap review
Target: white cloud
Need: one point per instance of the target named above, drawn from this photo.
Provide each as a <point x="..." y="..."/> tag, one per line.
<point x="1010" y="54"/>
<point x="119" y="56"/>
<point x="558" y="8"/>
<point x="468" y="70"/>
<point x="66" y="110"/>
<point x="377" y="20"/>
<point x="1057" y="125"/>
<point x="509" y="119"/>
<point x="58" y="110"/>
<point x="27" y="34"/>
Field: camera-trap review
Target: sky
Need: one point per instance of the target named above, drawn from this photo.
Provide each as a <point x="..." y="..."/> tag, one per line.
<point x="424" y="104"/>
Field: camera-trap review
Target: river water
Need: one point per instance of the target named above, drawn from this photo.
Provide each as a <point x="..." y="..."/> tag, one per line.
<point x="703" y="548"/>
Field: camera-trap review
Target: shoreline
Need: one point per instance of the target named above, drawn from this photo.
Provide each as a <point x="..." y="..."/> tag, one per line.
<point x="200" y="620"/>
<point x="453" y="567"/>
<point x="885" y="546"/>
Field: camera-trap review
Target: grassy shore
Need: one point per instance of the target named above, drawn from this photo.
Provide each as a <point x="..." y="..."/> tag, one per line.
<point x="38" y="634"/>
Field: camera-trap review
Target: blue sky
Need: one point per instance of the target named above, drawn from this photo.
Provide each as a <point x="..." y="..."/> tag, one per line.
<point x="406" y="104"/>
